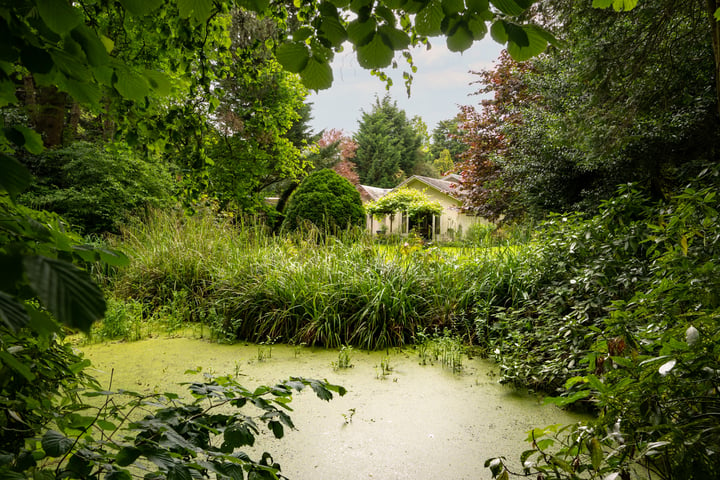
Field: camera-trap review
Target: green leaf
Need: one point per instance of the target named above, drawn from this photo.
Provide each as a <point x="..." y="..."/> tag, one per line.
<point x="460" y="40"/>
<point x="15" y="177"/>
<point x="276" y="428"/>
<point x="131" y="85"/>
<point x="7" y="93"/>
<point x="451" y="7"/>
<point x="200" y="10"/>
<point x="159" y="82"/>
<point x="396" y="39"/>
<point x="58" y="15"/>
<point x="36" y="59"/>
<point x="536" y="43"/>
<point x="127" y="455"/>
<point x="375" y="54"/>
<point x="82" y="92"/>
<point x="93" y="47"/>
<point x="66" y="291"/>
<point x="478" y="28"/>
<point x="512" y="7"/>
<point x="8" y="359"/>
<point x="179" y="472"/>
<point x="624" y="5"/>
<point x="477" y="6"/>
<point x="596" y="453"/>
<point x="331" y="29"/>
<point x="12" y="313"/>
<point x="317" y="75"/>
<point x="428" y="21"/>
<point x="118" y="475"/>
<point x="56" y="444"/>
<point x="25" y="137"/>
<point x="717" y="14"/>
<point x="498" y="32"/>
<point x="294" y="57"/>
<point x="361" y="32"/>
<point x="238" y="436"/>
<point x="141" y="7"/>
<point x="602" y="3"/>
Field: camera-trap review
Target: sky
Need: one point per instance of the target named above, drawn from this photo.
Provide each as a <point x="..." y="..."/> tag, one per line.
<point x="441" y="83"/>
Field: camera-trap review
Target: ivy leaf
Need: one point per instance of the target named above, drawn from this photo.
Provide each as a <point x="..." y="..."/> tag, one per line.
<point x="56" y="444"/>
<point x="66" y="291"/>
<point x="12" y="313"/>
<point x="15" y="177"/>
<point x="375" y="54"/>
<point x="200" y="10"/>
<point x="317" y="75"/>
<point x="536" y="43"/>
<point x="293" y="56"/>
<point x="141" y="7"/>
<point x="59" y="15"/>
<point x="428" y="21"/>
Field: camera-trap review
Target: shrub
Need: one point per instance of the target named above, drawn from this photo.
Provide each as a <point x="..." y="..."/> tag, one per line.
<point x="97" y="187"/>
<point x="327" y="201"/>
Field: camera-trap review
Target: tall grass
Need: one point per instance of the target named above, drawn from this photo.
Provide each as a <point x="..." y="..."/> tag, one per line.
<point x="305" y="288"/>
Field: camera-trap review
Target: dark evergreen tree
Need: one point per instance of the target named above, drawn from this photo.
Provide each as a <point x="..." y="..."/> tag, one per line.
<point x="445" y="136"/>
<point x="388" y="145"/>
<point x="326" y="200"/>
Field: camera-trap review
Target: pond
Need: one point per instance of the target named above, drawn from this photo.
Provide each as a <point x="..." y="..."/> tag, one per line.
<point x="416" y="421"/>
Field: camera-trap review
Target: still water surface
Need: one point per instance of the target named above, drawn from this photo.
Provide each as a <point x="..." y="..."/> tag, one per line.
<point x="419" y="421"/>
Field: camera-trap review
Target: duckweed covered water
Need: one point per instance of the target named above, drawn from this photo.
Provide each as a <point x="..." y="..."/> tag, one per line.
<point x="421" y="422"/>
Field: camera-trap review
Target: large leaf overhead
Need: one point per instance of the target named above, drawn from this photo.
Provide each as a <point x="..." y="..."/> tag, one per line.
<point x="317" y="75"/>
<point x="66" y="291"/>
<point x="375" y="54"/>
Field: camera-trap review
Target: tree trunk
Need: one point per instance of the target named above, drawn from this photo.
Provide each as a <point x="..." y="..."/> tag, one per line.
<point x="712" y="6"/>
<point x="50" y="114"/>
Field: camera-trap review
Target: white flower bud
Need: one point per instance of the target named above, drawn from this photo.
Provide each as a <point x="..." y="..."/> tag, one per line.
<point x="692" y="335"/>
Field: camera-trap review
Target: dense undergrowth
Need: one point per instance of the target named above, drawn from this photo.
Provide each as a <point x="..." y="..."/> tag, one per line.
<point x="245" y="284"/>
<point x="617" y="312"/>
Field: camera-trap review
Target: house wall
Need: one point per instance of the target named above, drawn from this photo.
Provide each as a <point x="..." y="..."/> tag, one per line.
<point x="453" y="223"/>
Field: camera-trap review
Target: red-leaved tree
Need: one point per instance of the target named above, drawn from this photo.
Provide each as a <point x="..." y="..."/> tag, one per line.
<point x="488" y="187"/>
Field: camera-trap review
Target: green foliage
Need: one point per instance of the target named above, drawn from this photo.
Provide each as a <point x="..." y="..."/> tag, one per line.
<point x="174" y="438"/>
<point x="408" y="200"/>
<point x="96" y="188"/>
<point x="388" y="145"/>
<point x="627" y="321"/>
<point x="326" y="201"/>
<point x="246" y="284"/>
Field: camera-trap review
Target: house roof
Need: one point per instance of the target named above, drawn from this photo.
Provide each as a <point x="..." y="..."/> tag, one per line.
<point x="447" y="187"/>
<point x="374" y="192"/>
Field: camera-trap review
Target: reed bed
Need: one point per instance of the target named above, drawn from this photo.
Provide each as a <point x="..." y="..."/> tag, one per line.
<point x="249" y="285"/>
